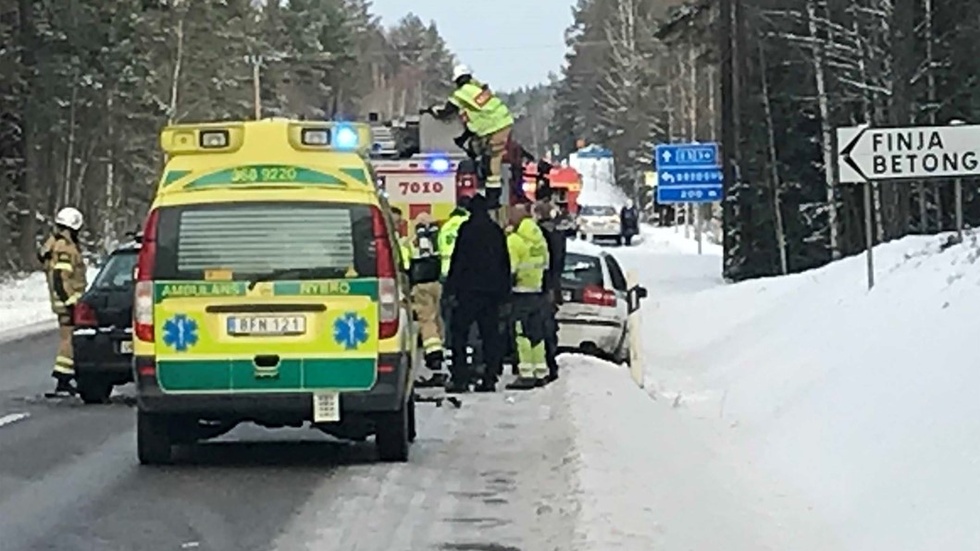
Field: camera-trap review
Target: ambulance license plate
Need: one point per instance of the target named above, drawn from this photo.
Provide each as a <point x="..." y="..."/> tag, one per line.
<point x="266" y="326"/>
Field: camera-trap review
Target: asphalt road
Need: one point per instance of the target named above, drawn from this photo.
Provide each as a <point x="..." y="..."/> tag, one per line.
<point x="491" y="476"/>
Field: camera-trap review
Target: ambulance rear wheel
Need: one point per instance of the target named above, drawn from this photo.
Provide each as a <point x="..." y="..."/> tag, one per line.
<point x="154" y="443"/>
<point x="392" y="434"/>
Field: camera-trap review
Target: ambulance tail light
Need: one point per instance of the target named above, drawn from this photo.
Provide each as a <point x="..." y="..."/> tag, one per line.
<point x="387" y="274"/>
<point x="143" y="299"/>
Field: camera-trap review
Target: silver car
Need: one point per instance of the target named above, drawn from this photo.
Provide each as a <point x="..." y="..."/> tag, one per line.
<point x="597" y="303"/>
<point x="600" y="222"/>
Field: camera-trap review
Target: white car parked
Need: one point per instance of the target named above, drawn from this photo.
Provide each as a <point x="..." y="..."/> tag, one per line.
<point x="597" y="302"/>
<point x="600" y="222"/>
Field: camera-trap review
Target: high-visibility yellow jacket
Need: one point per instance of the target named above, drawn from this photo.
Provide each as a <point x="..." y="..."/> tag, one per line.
<point x="528" y="251"/>
<point x="482" y="110"/>
<point x="446" y="241"/>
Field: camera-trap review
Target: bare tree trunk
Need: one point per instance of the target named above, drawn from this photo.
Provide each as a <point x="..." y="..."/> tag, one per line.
<point x="108" y="233"/>
<point x="175" y="79"/>
<point x="826" y="131"/>
<point x="773" y="161"/>
<point x="29" y="183"/>
<point x="70" y="153"/>
<point x="931" y="90"/>
<point x="903" y="70"/>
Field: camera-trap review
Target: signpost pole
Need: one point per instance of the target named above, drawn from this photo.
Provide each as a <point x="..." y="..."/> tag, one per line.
<point x="697" y="225"/>
<point x="959" y="209"/>
<point x="869" y="233"/>
<point x="958" y="192"/>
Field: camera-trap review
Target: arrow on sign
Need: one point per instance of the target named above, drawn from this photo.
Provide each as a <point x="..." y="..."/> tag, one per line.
<point x="845" y="154"/>
<point x="666" y="156"/>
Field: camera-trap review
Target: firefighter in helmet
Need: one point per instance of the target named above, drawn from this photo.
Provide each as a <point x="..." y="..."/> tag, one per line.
<point x="65" y="268"/>
<point x="426" y="299"/>
<point x="487" y="118"/>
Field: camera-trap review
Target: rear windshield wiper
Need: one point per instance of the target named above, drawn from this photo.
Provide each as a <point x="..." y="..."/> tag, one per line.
<point x="297" y="272"/>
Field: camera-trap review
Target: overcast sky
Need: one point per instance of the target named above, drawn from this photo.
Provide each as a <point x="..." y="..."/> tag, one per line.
<point x="507" y="43"/>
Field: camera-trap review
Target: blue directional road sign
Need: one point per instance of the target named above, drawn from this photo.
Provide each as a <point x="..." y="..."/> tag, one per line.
<point x="689" y="173"/>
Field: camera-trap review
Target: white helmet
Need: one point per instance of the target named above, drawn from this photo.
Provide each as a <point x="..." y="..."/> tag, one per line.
<point x="461" y="71"/>
<point x="69" y="217"/>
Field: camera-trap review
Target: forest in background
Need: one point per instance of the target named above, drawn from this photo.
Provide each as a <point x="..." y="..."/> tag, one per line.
<point x="86" y="86"/>
<point x="642" y="72"/>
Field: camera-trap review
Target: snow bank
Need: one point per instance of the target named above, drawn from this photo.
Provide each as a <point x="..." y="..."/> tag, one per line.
<point x="652" y="480"/>
<point x="25" y="306"/>
<point x="864" y="401"/>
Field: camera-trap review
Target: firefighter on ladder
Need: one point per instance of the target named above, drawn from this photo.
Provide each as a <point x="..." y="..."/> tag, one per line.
<point x="65" y="270"/>
<point x="489" y="120"/>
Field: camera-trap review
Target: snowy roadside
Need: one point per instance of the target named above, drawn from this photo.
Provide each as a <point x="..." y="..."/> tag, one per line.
<point x="865" y="402"/>
<point x="651" y="477"/>
<point x="25" y="307"/>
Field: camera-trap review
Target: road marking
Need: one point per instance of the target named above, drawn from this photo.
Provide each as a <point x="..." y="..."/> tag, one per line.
<point x="13" y="418"/>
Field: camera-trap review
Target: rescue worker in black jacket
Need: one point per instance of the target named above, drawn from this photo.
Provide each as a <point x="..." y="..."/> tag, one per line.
<point x="477" y="285"/>
<point x="630" y="221"/>
<point x="546" y="215"/>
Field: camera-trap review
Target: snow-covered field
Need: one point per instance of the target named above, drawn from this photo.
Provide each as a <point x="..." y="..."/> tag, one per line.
<point x="862" y="404"/>
<point x="25" y="306"/>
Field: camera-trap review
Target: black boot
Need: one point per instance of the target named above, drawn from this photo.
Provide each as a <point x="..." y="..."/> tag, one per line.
<point x="486" y="385"/>
<point x="433" y="361"/>
<point x="64" y="387"/>
<point x="522" y="383"/>
<point x="457" y="386"/>
<point x="434" y="381"/>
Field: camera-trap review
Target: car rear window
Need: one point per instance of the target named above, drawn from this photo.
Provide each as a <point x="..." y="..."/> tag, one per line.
<point x="597" y="211"/>
<point x="581" y="270"/>
<point x="318" y="240"/>
<point x="117" y="271"/>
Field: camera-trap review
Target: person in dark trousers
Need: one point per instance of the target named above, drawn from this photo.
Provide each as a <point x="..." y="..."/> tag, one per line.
<point x="546" y="214"/>
<point x="477" y="285"/>
<point x="630" y="221"/>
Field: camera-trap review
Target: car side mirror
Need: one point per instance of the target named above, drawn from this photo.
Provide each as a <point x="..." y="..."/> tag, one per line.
<point x="424" y="270"/>
<point x="635" y="295"/>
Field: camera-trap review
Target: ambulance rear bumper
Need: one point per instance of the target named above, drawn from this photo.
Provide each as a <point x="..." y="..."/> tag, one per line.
<point x="388" y="394"/>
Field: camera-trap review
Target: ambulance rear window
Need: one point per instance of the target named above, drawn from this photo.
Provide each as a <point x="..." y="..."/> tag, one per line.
<point x="249" y="240"/>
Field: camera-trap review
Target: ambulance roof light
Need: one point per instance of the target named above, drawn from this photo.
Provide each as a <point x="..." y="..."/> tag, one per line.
<point x="213" y="139"/>
<point x="316" y="136"/>
<point x="345" y="137"/>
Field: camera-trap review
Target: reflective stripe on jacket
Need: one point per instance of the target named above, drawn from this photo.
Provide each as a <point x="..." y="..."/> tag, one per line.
<point x="528" y="250"/>
<point x="66" y="275"/>
<point x="482" y="110"/>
